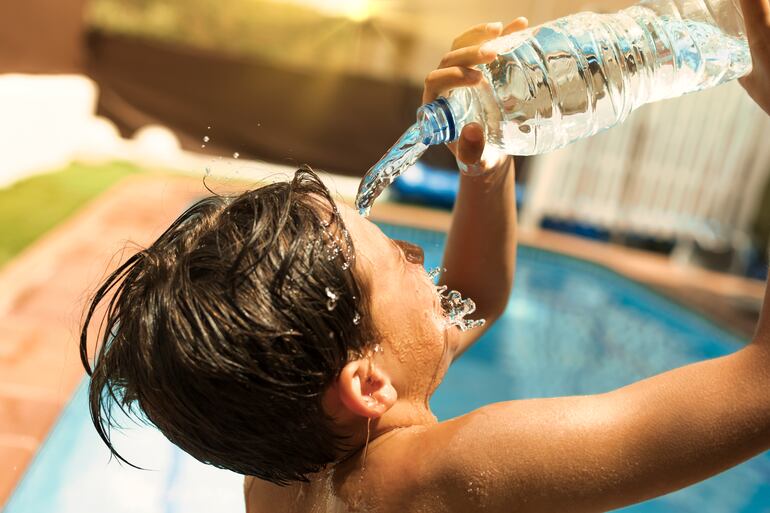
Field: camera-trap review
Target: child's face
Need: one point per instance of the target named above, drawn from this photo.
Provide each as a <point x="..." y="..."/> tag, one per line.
<point x="405" y="308"/>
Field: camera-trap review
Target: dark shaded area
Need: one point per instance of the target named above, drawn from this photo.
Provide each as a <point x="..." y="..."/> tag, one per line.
<point x="41" y="36"/>
<point x="332" y="121"/>
<point x="339" y="122"/>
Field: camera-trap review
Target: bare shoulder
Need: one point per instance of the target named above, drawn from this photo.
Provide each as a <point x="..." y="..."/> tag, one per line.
<point x="457" y="465"/>
<point x="517" y="455"/>
<point x="601" y="452"/>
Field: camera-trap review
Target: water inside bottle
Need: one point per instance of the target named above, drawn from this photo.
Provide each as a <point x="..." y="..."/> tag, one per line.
<point x="574" y="77"/>
<point x="579" y="75"/>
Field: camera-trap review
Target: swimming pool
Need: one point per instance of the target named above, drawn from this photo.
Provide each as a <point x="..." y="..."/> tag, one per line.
<point x="570" y="328"/>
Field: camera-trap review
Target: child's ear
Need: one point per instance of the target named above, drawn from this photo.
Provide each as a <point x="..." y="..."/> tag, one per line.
<point x="365" y="389"/>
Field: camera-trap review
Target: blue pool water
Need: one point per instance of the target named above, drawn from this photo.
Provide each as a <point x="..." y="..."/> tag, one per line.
<point x="570" y="328"/>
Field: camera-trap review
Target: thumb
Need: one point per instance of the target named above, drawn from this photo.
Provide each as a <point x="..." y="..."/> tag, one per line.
<point x="471" y="144"/>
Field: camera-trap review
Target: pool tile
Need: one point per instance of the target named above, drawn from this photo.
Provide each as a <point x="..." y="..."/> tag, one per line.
<point x="15" y="460"/>
<point x="38" y="354"/>
<point x="26" y="417"/>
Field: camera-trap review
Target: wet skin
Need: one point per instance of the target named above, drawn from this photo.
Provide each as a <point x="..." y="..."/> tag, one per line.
<point x="578" y="454"/>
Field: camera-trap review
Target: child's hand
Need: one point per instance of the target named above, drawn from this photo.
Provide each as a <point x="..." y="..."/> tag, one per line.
<point x="756" y="16"/>
<point x="457" y="69"/>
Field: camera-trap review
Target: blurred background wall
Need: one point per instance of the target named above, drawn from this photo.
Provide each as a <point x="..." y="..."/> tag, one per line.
<point x="42" y="36"/>
<point x="331" y="83"/>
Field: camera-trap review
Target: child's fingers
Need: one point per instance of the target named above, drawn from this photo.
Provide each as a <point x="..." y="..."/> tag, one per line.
<point x="440" y="81"/>
<point x="756" y="13"/>
<point x="467" y="57"/>
<point x="470" y="147"/>
<point x="477" y="35"/>
<point x="519" y="23"/>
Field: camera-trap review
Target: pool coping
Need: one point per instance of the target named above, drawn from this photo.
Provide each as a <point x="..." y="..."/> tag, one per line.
<point x="716" y="296"/>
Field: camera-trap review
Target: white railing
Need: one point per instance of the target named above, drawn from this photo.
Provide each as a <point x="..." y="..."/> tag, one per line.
<point x="688" y="168"/>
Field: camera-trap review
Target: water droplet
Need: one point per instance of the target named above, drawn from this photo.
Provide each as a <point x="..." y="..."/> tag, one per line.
<point x="456" y="308"/>
<point x="259" y="124"/>
<point x="470" y="324"/>
<point x="236" y="155"/>
<point x="206" y="138"/>
<point x="208" y="171"/>
<point x="333" y="253"/>
<point x="331" y="302"/>
<point x="208" y="128"/>
<point x="203" y="145"/>
<point x="345" y="266"/>
<point x="357" y="319"/>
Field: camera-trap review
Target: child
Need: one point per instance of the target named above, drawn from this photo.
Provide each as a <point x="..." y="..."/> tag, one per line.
<point x="286" y="338"/>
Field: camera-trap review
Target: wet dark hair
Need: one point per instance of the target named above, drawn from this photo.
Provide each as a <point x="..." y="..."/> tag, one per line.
<point x="227" y="330"/>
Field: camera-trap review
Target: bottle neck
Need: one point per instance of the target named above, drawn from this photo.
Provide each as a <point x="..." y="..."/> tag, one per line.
<point x="437" y="122"/>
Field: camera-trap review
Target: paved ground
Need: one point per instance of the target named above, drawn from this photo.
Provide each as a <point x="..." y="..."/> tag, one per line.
<point x="43" y="295"/>
<point x="45" y="289"/>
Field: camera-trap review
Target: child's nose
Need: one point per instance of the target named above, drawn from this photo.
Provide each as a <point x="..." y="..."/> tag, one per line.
<point x="412" y="252"/>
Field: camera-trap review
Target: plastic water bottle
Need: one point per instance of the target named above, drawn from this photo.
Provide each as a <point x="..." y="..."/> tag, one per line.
<point x="573" y="77"/>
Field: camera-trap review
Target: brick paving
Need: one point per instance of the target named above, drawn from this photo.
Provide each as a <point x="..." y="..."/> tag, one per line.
<point x="42" y="298"/>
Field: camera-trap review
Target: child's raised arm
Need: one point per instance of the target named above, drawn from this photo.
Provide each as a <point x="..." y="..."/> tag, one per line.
<point x="600" y="452"/>
<point x="480" y="255"/>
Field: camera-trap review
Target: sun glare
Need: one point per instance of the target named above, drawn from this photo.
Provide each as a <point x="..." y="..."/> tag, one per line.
<point x="356" y="10"/>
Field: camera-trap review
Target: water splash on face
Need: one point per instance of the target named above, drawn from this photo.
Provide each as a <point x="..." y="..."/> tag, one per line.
<point x="454" y="306"/>
<point x="435" y="272"/>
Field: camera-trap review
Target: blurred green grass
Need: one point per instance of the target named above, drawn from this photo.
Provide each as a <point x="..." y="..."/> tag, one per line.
<point x="33" y="206"/>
